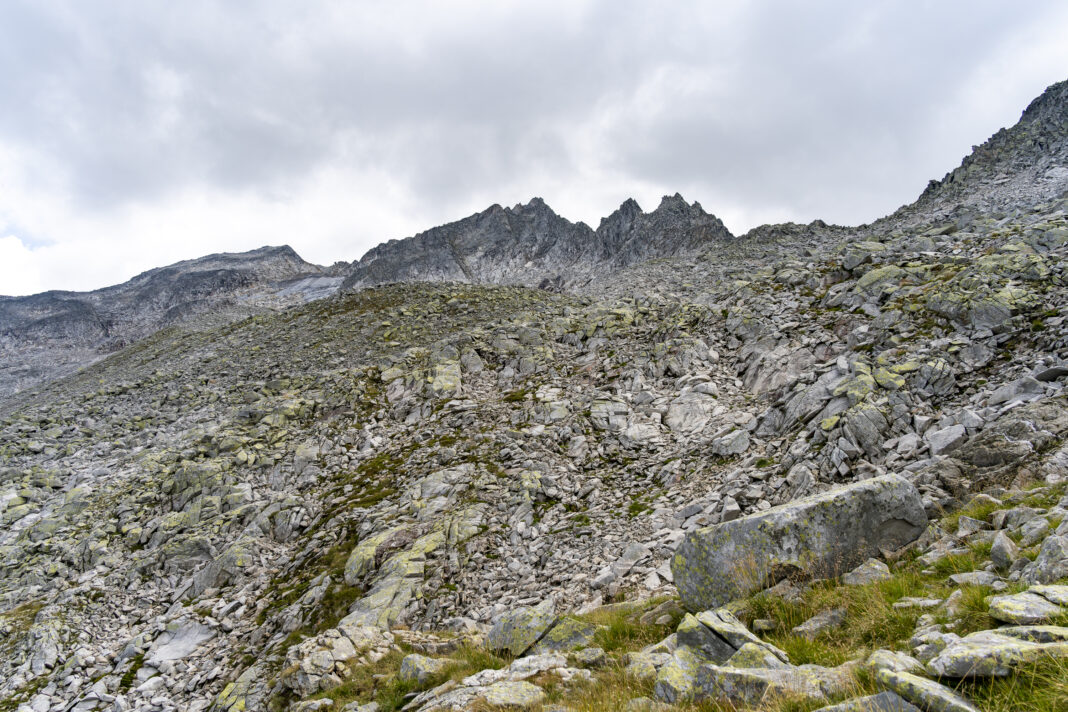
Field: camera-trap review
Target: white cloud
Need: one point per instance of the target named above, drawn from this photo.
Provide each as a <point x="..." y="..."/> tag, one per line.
<point x="139" y="134"/>
<point x="19" y="273"/>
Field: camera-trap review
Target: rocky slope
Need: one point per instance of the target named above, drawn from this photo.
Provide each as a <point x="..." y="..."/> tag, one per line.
<point x="277" y="513"/>
<point x="45" y="336"/>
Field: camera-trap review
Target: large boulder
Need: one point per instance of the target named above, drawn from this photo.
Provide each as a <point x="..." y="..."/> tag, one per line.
<point x="819" y="536"/>
<point x="517" y="630"/>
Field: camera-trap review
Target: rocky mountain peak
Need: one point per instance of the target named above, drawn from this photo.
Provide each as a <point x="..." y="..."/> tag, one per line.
<point x="1020" y="165"/>
<point x="530" y="244"/>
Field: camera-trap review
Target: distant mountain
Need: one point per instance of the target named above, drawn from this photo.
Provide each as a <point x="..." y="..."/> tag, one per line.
<point x="43" y="336"/>
<point x="531" y="245"/>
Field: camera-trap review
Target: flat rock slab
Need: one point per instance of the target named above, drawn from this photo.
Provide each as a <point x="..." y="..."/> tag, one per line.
<point x="821" y="623"/>
<point x="1025" y="608"/>
<point x="419" y="668"/>
<point x="178" y="641"/>
<point x="925" y="694"/>
<point x="513" y="694"/>
<point x="988" y="653"/>
<point x="568" y="634"/>
<point x="753" y="686"/>
<point x="818" y="536"/>
<point x="883" y="702"/>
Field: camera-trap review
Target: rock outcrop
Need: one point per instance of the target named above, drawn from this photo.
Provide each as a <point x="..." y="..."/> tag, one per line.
<point x="815" y="537"/>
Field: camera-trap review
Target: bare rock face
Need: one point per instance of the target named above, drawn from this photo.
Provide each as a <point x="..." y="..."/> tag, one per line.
<point x="531" y="245"/>
<point x="1026" y="163"/>
<point x="823" y="535"/>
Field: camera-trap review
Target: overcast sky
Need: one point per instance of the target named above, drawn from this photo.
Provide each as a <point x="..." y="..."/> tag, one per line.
<point x="136" y="133"/>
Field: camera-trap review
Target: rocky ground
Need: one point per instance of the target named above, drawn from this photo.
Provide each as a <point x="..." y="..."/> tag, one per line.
<point x="278" y="512"/>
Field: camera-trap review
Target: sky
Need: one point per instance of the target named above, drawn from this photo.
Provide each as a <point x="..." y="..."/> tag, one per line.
<point x="136" y="133"/>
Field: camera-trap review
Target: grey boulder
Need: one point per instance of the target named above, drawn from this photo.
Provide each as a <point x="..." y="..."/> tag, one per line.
<point x="818" y="536"/>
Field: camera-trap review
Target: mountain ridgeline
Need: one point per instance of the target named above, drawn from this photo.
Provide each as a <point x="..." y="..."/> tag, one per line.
<point x="533" y="246"/>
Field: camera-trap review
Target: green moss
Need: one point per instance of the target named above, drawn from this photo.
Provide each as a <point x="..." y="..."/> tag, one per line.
<point x="130" y="675"/>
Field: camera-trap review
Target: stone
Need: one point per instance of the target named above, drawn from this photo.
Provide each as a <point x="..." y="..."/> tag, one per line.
<point x="644" y="704"/>
<point x="1003" y="552"/>
<point x="990" y="654"/>
<point x="178" y="641"/>
<point x="726" y="626"/>
<point x="925" y="694"/>
<point x="945" y="439"/>
<point x="644" y="666"/>
<point x="675" y="680"/>
<point x="817" y="536"/>
<point x="733" y="443"/>
<point x="751" y="655"/>
<point x="513" y="694"/>
<point x="821" y="623"/>
<point x="894" y="660"/>
<point x="1051" y="564"/>
<point x="752" y="686"/>
<point x="871" y="571"/>
<point x="567" y="634"/>
<point x="693" y="634"/>
<point x="690" y="412"/>
<point x="1053" y="594"/>
<point x="882" y="702"/>
<point x="517" y="630"/>
<point x="591" y="658"/>
<point x="975" y="578"/>
<point x="419" y="668"/>
<point x="1025" y="608"/>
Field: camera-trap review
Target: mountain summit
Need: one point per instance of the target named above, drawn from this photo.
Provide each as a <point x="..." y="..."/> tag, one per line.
<point x="533" y="246"/>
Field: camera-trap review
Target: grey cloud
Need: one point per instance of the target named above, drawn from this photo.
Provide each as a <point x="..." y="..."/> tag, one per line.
<point x="805" y="104"/>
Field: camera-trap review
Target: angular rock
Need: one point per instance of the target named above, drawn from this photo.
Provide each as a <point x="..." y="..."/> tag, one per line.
<point x="178" y="641"/>
<point x="675" y="679"/>
<point x="821" y="623"/>
<point x="1023" y="609"/>
<point x="990" y="654"/>
<point x="925" y="694"/>
<point x="871" y="571"/>
<point x="568" y="634"/>
<point x="644" y="666"/>
<point x="817" y="536"/>
<point x="1003" y="552"/>
<point x="751" y="655"/>
<point x="753" y="686"/>
<point x="513" y="694"/>
<point x="516" y="631"/>
<point x="882" y="702"/>
<point x="696" y="636"/>
<point x="1051" y="564"/>
<point x="946" y="439"/>
<point x="419" y="668"/>
<point x="725" y="625"/>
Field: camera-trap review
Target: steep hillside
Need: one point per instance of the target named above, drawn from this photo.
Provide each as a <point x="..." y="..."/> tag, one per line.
<point x="1017" y="166"/>
<point x="712" y="473"/>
